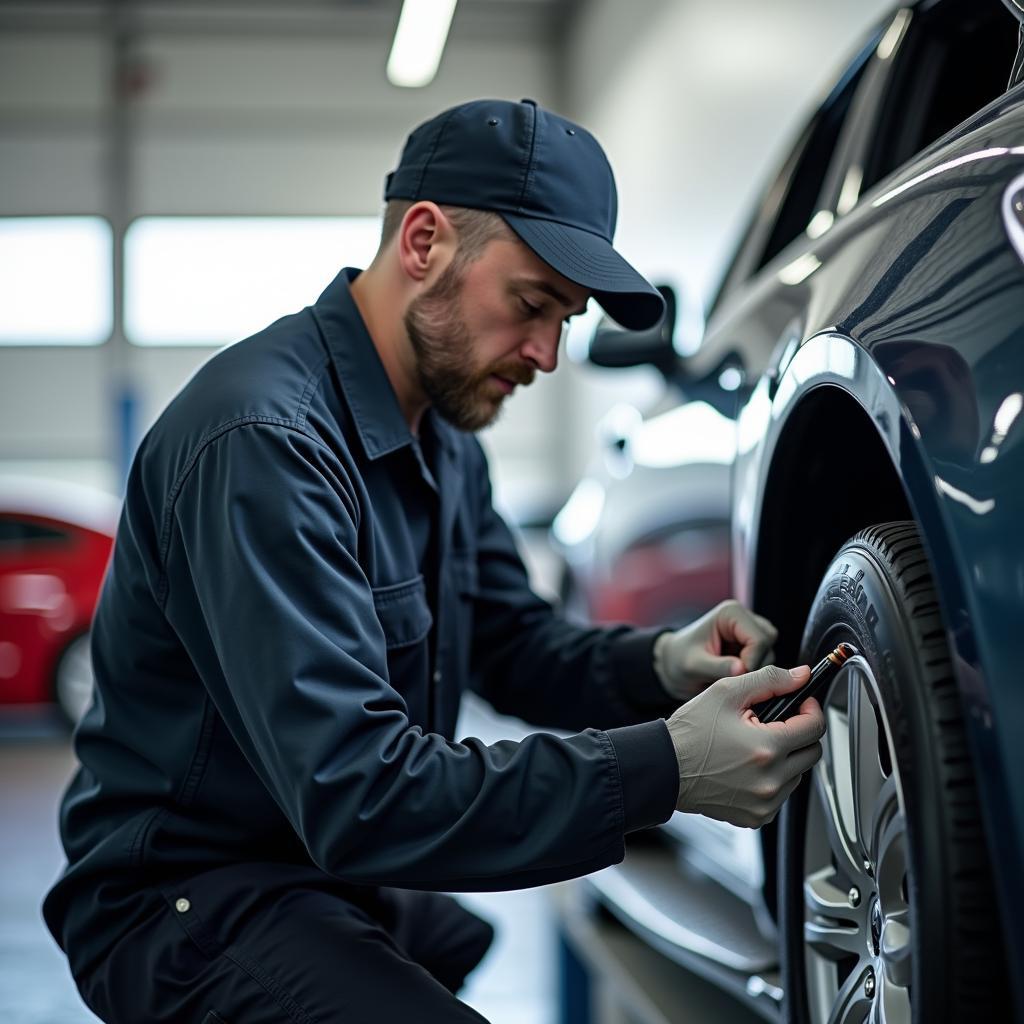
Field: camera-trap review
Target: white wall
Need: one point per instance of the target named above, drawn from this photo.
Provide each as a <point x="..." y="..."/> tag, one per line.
<point x="301" y="122"/>
<point x="696" y="102"/>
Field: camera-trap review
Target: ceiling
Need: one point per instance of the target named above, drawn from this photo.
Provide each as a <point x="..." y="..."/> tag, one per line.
<point x="545" y="20"/>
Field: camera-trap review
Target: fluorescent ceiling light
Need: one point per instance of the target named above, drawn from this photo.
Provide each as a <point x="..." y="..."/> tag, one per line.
<point x="419" y="42"/>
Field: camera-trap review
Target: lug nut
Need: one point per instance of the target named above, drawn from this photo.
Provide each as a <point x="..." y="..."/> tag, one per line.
<point x="869" y="985"/>
<point x="854" y="896"/>
<point x="867" y="868"/>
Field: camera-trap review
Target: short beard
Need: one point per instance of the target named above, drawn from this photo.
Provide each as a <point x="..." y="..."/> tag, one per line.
<point x="444" y="349"/>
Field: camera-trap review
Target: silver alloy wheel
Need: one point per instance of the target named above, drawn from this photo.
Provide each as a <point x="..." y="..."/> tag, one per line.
<point x="73" y="683"/>
<point x="857" y="931"/>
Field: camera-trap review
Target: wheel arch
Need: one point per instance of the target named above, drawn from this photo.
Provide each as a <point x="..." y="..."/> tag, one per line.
<point x="827" y="443"/>
<point x="829" y="447"/>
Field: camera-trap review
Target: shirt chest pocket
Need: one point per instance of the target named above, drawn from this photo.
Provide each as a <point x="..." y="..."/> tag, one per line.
<point x="403" y="612"/>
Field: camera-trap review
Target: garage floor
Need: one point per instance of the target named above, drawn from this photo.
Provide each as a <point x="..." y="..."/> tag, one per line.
<point x="514" y="984"/>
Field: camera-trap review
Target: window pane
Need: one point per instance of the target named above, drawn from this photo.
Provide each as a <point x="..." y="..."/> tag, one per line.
<point x="805" y="186"/>
<point x="55" y="281"/>
<point x="36" y="532"/>
<point x="21" y="533"/>
<point x="956" y="61"/>
<point x="213" y="280"/>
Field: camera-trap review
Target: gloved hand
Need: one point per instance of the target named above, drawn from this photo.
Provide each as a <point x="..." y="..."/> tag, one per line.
<point x="733" y="767"/>
<point x="725" y="642"/>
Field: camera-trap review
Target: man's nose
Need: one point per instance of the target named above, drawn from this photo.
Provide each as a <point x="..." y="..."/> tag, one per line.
<point x="541" y="347"/>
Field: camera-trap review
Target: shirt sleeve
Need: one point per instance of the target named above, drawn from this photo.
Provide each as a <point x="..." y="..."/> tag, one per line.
<point x="279" y="614"/>
<point x="530" y="662"/>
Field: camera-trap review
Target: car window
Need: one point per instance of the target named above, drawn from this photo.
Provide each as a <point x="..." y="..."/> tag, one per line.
<point x="17" y="534"/>
<point x="791" y="201"/>
<point x="805" y="186"/>
<point x="957" y="59"/>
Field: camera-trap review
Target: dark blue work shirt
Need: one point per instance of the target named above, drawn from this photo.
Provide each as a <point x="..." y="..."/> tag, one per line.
<point x="296" y="601"/>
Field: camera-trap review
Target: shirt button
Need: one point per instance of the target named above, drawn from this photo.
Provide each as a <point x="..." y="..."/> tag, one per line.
<point x="182" y="906"/>
<point x="437" y="675"/>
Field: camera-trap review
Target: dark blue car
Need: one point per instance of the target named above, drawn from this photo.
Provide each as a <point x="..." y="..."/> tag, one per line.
<point x="868" y="344"/>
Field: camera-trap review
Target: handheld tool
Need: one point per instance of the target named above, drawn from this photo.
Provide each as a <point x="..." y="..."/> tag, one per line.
<point x="779" y="708"/>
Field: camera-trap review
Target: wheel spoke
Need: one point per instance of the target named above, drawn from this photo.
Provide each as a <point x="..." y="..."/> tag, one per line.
<point x="834" y="941"/>
<point x="832" y="789"/>
<point x="897" y="949"/>
<point x="866" y="777"/>
<point x="892" y="1003"/>
<point x="886" y="809"/>
<point x="852" y="1005"/>
<point x="833" y="928"/>
<point x="824" y="897"/>
<point x="890" y="855"/>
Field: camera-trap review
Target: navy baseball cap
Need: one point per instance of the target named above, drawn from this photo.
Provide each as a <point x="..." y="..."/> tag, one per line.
<point x="548" y="179"/>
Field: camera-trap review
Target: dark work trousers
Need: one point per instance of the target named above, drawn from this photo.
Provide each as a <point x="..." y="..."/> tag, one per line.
<point x="281" y="944"/>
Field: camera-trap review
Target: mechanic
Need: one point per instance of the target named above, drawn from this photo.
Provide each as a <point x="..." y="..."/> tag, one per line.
<point x="307" y="575"/>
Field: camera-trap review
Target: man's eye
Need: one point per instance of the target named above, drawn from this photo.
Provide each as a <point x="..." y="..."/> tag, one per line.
<point x="528" y="308"/>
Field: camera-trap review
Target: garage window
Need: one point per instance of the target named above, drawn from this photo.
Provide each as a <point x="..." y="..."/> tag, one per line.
<point x="214" y="280"/>
<point x="55" y="281"/>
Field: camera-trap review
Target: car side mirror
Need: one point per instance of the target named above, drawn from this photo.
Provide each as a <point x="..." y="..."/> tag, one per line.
<point x="614" y="347"/>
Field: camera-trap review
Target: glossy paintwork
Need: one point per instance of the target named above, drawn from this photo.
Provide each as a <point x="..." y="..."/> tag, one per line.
<point x="913" y="304"/>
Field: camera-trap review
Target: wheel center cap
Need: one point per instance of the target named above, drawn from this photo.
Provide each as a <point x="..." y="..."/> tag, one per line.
<point x="876" y="927"/>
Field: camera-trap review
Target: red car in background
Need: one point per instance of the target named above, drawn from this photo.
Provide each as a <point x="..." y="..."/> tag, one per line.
<point x="55" y="540"/>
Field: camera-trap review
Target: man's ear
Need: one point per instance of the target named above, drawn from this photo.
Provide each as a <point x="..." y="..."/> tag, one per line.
<point x="426" y="241"/>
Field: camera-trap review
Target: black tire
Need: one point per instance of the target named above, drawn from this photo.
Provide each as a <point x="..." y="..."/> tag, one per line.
<point x="925" y="886"/>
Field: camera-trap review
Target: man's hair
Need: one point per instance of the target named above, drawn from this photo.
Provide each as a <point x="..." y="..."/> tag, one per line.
<point x="475" y="228"/>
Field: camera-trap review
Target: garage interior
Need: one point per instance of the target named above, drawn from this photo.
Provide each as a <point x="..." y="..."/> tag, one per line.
<point x="182" y="153"/>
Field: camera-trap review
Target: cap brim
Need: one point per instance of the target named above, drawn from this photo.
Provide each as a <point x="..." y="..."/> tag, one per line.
<point x="589" y="260"/>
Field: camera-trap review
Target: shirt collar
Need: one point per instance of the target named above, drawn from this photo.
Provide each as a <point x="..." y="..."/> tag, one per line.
<point x="368" y="391"/>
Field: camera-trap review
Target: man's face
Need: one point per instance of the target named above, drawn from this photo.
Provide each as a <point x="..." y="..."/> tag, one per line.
<point x="485" y="327"/>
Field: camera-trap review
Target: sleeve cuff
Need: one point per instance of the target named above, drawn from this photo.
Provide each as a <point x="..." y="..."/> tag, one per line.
<point x="636" y="681"/>
<point x="648" y="772"/>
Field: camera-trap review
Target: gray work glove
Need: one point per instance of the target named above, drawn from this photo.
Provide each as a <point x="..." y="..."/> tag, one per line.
<point x="733" y="767"/>
<point x="727" y="641"/>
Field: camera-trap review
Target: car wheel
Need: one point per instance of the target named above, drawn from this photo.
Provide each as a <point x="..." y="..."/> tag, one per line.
<point x="73" y="680"/>
<point x="885" y="903"/>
